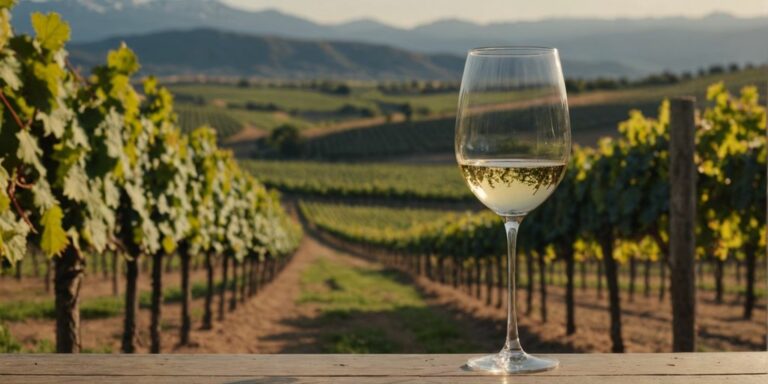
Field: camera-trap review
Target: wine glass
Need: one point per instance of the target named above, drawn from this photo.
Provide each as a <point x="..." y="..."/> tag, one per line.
<point x="513" y="141"/>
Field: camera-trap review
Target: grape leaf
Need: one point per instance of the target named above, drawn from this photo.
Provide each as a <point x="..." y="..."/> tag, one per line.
<point x="43" y="196"/>
<point x="50" y="30"/>
<point x="51" y="74"/>
<point x="9" y="72"/>
<point x="76" y="184"/>
<point x="5" y="201"/>
<point x="13" y="237"/>
<point x="28" y="151"/>
<point x="123" y="60"/>
<point x="169" y="245"/>
<point x="5" y="25"/>
<point x="55" y="122"/>
<point x="54" y="239"/>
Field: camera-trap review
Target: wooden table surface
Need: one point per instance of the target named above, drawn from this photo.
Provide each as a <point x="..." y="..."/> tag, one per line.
<point x="688" y="368"/>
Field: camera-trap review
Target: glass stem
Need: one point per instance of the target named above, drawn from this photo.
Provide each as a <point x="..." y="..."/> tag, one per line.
<point x="512" y="345"/>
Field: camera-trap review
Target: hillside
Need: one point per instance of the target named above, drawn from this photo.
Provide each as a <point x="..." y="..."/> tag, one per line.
<point x="220" y="53"/>
<point x="229" y="53"/>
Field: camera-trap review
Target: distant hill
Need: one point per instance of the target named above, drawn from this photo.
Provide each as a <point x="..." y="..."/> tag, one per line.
<point x="632" y="47"/>
<point x="212" y="52"/>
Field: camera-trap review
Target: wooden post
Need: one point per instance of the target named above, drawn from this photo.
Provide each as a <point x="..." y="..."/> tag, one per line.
<point x="682" y="242"/>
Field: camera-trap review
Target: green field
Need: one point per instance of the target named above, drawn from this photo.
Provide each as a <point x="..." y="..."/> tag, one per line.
<point x="351" y="300"/>
<point x="267" y="121"/>
<point x="593" y="114"/>
<point x="394" y="181"/>
<point x="287" y="99"/>
<point x="436" y="136"/>
<point x="380" y="218"/>
<point x="194" y="116"/>
<point x="368" y="96"/>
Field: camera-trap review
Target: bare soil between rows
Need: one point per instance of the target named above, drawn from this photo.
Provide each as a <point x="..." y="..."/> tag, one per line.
<point x="275" y="322"/>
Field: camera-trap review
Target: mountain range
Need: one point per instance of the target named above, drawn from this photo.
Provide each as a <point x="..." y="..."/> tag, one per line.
<point x="218" y="53"/>
<point x="629" y="47"/>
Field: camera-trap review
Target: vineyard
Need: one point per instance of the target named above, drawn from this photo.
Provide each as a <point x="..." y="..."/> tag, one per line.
<point x="390" y="235"/>
<point x="387" y="181"/>
<point x="613" y="201"/>
<point x="93" y="166"/>
<point x="381" y="228"/>
<point x="119" y="207"/>
<point x="192" y="117"/>
<point x="429" y="131"/>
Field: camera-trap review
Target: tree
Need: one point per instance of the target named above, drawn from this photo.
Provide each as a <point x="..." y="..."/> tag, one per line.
<point x="407" y="111"/>
<point x="286" y="140"/>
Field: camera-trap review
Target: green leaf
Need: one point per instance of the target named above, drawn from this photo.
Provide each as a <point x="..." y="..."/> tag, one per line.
<point x="51" y="74"/>
<point x="5" y="4"/>
<point x="9" y="70"/>
<point x="43" y="196"/>
<point x="76" y="184"/>
<point x="29" y="152"/>
<point x="5" y="27"/>
<point x="169" y="245"/>
<point x="55" y="122"/>
<point x="13" y="237"/>
<point x="50" y="30"/>
<point x="54" y="239"/>
<point x="123" y="60"/>
<point x="5" y="201"/>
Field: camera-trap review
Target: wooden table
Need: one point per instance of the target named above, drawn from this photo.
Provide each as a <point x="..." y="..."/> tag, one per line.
<point x="688" y="368"/>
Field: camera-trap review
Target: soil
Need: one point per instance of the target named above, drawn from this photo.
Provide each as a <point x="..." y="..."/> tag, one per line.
<point x="273" y="321"/>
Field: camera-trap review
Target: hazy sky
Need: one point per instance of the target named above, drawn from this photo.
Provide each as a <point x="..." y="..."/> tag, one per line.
<point x="407" y="13"/>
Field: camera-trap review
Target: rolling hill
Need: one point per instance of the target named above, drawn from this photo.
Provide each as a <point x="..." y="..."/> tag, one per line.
<point x="214" y="52"/>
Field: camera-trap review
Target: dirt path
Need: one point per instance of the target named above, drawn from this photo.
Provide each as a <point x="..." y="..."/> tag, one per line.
<point x="250" y="328"/>
<point x="274" y="321"/>
<point x="646" y="322"/>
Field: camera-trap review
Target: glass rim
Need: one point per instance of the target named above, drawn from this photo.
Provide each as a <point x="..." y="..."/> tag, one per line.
<point x="512" y="50"/>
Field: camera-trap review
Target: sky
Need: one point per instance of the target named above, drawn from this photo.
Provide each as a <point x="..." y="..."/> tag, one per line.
<point x="409" y="13"/>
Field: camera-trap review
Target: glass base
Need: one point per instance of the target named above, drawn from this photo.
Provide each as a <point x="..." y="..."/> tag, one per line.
<point x="511" y="363"/>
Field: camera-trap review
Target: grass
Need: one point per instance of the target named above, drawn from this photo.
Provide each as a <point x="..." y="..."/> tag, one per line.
<point x="95" y="308"/>
<point x="7" y="343"/>
<point x="377" y="311"/>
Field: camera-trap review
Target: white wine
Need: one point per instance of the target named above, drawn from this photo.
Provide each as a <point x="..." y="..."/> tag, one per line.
<point x="512" y="187"/>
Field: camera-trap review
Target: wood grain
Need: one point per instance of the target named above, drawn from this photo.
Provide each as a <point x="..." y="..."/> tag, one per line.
<point x="699" y="368"/>
<point x="682" y="222"/>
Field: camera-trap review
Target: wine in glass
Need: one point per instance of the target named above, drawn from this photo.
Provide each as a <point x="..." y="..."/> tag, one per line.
<point x="513" y="141"/>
